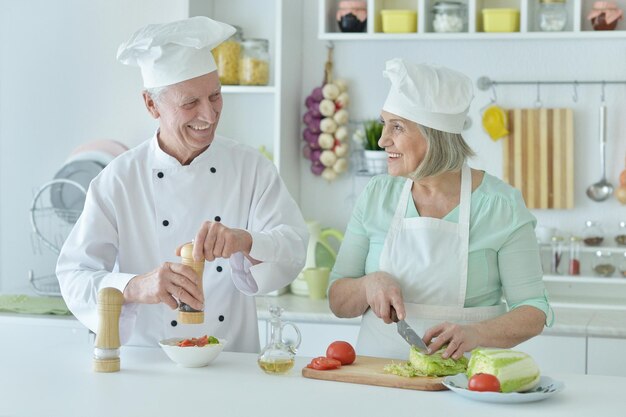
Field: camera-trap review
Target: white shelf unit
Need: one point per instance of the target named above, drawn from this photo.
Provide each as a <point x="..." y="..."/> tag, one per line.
<point x="265" y="115"/>
<point x="578" y="27"/>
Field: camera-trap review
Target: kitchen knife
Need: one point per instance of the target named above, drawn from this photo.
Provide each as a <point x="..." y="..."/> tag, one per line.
<point x="408" y="333"/>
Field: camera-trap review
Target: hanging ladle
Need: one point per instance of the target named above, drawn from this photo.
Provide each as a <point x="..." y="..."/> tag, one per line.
<point x="602" y="189"/>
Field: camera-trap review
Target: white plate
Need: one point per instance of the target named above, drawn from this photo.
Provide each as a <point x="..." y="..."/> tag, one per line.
<point x="546" y="388"/>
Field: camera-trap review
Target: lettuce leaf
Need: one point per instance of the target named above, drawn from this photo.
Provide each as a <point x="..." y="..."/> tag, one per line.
<point x="421" y="364"/>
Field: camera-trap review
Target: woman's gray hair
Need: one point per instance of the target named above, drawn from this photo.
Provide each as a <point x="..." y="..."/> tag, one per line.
<point x="445" y="152"/>
<point x="155" y="93"/>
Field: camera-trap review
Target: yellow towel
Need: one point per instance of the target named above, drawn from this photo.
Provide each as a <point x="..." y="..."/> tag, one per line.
<point x="19" y="303"/>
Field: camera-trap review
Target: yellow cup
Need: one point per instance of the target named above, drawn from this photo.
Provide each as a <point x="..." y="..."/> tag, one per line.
<point x="317" y="281"/>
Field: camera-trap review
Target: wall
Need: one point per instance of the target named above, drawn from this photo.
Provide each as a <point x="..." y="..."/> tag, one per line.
<point x="61" y="86"/>
<point x="362" y="64"/>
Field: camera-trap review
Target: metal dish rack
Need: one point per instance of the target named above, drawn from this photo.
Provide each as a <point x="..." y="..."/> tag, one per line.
<point x="51" y="222"/>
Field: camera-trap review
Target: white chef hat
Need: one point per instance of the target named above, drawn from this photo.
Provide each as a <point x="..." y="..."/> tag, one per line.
<point x="435" y="97"/>
<point x="173" y="52"/>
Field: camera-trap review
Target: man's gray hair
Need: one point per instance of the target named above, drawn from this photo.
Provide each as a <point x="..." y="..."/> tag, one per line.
<point x="155" y="93"/>
<point x="445" y="152"/>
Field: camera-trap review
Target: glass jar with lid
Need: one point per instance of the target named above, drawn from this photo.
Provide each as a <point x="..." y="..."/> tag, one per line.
<point x="551" y="15"/>
<point x="226" y="56"/>
<point x="605" y="15"/>
<point x="254" y="62"/>
<point x="449" y="17"/>
<point x="620" y="237"/>
<point x="574" y="255"/>
<point x="622" y="266"/>
<point x="602" y="263"/>
<point x="593" y="235"/>
<point x="557" y="254"/>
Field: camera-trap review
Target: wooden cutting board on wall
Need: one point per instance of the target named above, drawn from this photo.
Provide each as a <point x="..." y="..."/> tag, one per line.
<point x="538" y="156"/>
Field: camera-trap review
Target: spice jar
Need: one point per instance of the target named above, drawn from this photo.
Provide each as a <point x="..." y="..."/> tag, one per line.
<point x="557" y="254"/>
<point x="226" y="56"/>
<point x="602" y="264"/>
<point x="254" y="63"/>
<point x="449" y="16"/>
<point x="551" y="15"/>
<point x="352" y="16"/>
<point x="605" y="15"/>
<point x="593" y="235"/>
<point x="574" y="255"/>
<point x="620" y="238"/>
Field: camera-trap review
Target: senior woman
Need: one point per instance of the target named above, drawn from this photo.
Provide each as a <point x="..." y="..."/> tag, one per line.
<point x="435" y="242"/>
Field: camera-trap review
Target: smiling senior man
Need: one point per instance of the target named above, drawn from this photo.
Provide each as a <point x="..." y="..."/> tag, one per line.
<point x="183" y="183"/>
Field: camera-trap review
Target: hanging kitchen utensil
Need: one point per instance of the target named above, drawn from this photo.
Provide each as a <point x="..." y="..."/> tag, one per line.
<point x="538" y="156"/>
<point x="602" y="189"/>
<point x="494" y="118"/>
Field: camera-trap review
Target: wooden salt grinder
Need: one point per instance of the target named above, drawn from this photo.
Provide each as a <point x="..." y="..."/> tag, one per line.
<point x="191" y="317"/>
<point x="106" y="353"/>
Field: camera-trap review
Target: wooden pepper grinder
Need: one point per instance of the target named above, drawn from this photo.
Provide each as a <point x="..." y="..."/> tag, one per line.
<point x="106" y="353"/>
<point x="186" y="314"/>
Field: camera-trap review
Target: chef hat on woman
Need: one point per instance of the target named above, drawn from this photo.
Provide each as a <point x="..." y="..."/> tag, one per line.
<point x="173" y="52"/>
<point x="435" y="97"/>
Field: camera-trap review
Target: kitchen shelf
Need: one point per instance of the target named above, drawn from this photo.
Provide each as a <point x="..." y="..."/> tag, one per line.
<point x="577" y="27"/>
<point x="585" y="279"/>
<point x="587" y="249"/>
<point x="245" y="89"/>
<point x="271" y="113"/>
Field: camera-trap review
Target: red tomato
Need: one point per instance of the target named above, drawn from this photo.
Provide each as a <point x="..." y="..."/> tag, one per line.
<point x="483" y="382"/>
<point x="323" y="363"/>
<point x="342" y="351"/>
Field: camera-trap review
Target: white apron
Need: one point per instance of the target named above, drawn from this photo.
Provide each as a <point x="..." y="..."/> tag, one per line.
<point x="428" y="257"/>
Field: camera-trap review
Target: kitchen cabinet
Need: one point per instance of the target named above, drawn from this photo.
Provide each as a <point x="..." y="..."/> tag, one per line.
<point x="577" y="26"/>
<point x="606" y="356"/>
<point x="267" y="116"/>
<point x="557" y="354"/>
<point x="46" y="331"/>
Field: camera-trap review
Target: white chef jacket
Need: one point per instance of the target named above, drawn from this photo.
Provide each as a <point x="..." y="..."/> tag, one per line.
<point x="145" y="204"/>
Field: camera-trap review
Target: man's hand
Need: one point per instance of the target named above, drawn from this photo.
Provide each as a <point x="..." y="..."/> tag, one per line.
<point x="169" y="283"/>
<point x="382" y="292"/>
<point x="214" y="240"/>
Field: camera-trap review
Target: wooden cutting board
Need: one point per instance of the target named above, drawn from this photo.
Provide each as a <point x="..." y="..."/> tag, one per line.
<point x="368" y="370"/>
<point x="538" y="156"/>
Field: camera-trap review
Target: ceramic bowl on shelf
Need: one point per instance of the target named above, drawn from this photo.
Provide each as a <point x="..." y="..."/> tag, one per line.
<point x="191" y="356"/>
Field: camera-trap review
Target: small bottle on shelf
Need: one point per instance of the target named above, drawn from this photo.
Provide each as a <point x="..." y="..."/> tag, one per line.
<point x="620" y="237"/>
<point x="602" y="264"/>
<point x="552" y="15"/>
<point x="605" y="15"/>
<point x="593" y="235"/>
<point x="557" y="255"/>
<point x="574" y="255"/>
<point x="449" y="17"/>
<point x="254" y="63"/>
<point x="226" y="57"/>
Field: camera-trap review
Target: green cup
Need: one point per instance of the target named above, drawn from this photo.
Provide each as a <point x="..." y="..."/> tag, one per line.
<point x="317" y="280"/>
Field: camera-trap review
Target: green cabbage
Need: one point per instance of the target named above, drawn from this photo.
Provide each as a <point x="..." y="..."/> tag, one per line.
<point x="516" y="371"/>
<point x="421" y="364"/>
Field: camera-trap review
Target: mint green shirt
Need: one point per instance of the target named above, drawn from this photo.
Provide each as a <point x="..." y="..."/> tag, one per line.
<point x="504" y="259"/>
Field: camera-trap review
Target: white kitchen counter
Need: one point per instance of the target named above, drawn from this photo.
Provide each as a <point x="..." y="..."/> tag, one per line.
<point x="568" y="321"/>
<point x="59" y="381"/>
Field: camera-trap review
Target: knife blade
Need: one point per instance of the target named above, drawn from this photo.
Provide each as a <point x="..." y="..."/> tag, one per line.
<point x="408" y="333"/>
